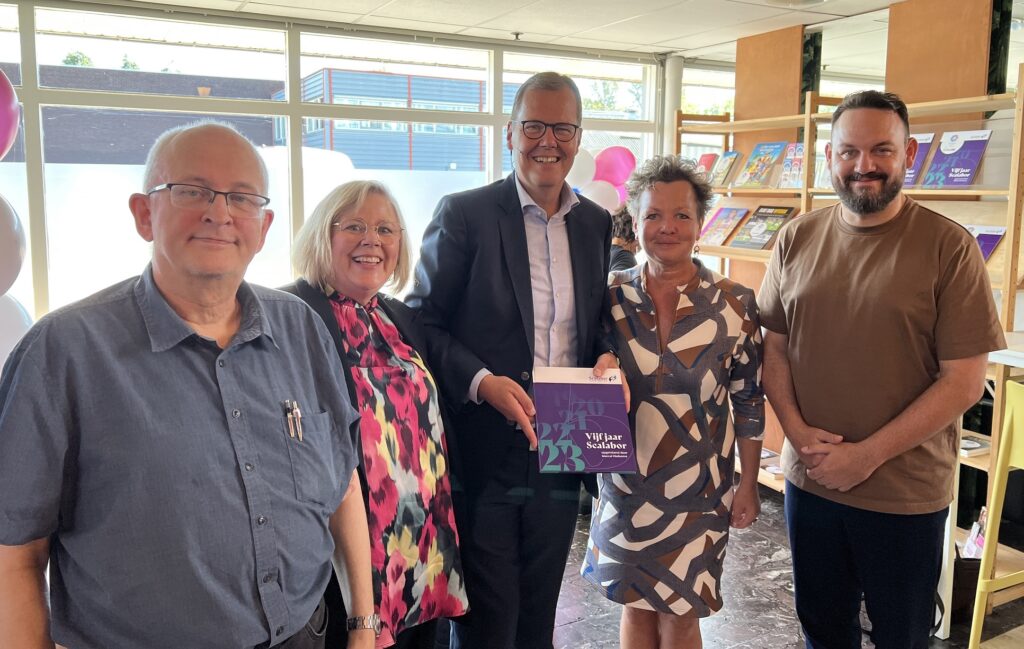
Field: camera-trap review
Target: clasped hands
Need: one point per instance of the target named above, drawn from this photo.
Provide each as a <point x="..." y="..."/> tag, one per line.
<point x="831" y="462"/>
<point x="510" y="399"/>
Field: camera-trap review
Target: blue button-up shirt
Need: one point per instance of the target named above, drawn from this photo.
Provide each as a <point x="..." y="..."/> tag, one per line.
<point x="554" y="303"/>
<point x="180" y="511"/>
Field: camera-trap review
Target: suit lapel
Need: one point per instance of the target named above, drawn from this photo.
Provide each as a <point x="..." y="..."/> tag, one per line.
<point x="320" y="303"/>
<point x="580" y="278"/>
<point x="512" y="230"/>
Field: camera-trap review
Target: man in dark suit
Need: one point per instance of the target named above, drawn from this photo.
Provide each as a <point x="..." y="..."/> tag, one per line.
<point x="513" y="276"/>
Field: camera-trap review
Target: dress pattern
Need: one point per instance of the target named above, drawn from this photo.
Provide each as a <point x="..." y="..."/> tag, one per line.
<point x="658" y="537"/>
<point x="417" y="572"/>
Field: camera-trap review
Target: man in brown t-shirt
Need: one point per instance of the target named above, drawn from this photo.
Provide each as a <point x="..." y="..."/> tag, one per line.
<point x="879" y="318"/>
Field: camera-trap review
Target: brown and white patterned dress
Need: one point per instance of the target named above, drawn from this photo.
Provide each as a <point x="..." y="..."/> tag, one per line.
<point x="657" y="538"/>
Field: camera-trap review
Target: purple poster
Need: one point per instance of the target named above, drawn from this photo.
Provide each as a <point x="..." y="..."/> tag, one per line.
<point x="582" y="424"/>
<point x="924" y="145"/>
<point x="957" y="159"/>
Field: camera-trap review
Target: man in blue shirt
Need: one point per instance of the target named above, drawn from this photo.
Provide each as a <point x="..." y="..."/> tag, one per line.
<point x="177" y="447"/>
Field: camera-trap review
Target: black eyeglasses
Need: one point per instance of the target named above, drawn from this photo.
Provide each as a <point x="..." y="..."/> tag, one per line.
<point x="535" y="129"/>
<point x="198" y="197"/>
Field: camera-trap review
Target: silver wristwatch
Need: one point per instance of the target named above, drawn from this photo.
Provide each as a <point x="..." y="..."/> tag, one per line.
<point x="370" y="622"/>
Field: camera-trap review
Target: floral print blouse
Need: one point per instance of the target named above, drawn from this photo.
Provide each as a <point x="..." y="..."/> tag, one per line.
<point x="417" y="572"/>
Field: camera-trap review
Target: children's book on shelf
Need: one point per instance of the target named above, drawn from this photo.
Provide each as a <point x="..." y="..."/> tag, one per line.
<point x="724" y="168"/>
<point x="758" y="233"/>
<point x="957" y="159"/>
<point x="972" y="445"/>
<point x="975" y="543"/>
<point x="793" y="166"/>
<point x="720" y="226"/>
<point x="582" y="424"/>
<point x="822" y="175"/>
<point x="924" y="145"/>
<point x="706" y="163"/>
<point x="758" y="172"/>
<point x="987" y="236"/>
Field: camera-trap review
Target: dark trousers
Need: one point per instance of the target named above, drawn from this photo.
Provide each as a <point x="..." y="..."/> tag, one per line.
<point x="842" y="553"/>
<point x="515" y="542"/>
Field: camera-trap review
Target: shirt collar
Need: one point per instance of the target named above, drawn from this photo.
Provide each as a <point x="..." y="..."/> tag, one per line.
<point x="166" y="329"/>
<point x="567" y="199"/>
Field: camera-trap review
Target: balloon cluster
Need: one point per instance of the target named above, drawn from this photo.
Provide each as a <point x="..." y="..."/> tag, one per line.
<point x="14" y="320"/>
<point x="602" y="177"/>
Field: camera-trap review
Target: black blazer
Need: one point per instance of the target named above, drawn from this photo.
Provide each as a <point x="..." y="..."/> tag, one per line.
<point x="473" y="296"/>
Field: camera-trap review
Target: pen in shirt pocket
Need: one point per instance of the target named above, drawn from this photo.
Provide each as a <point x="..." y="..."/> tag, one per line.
<point x="294" y="416"/>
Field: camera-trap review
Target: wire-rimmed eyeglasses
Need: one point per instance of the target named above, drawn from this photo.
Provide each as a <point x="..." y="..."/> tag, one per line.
<point x="386" y="232"/>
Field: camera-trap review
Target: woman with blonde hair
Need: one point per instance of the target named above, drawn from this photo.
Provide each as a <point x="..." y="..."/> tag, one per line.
<point x="353" y="245"/>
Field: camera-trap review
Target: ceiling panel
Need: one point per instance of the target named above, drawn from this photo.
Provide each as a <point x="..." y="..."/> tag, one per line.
<point x="458" y="12"/>
<point x="502" y="35"/>
<point x="571" y="17"/>
<point x="357" y="7"/>
<point x="415" y="25"/>
<point x="292" y="12"/>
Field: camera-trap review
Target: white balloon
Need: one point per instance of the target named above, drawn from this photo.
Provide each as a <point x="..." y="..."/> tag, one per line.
<point x="12" y="246"/>
<point x="583" y="169"/>
<point x="14" y="322"/>
<point x="603" y="193"/>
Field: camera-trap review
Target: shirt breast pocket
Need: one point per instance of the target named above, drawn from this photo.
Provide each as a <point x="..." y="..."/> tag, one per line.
<point x="312" y="460"/>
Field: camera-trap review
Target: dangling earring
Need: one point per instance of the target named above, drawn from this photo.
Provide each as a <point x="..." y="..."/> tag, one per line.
<point x="696" y="249"/>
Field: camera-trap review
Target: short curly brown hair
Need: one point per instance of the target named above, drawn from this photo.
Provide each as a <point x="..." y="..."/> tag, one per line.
<point x="668" y="169"/>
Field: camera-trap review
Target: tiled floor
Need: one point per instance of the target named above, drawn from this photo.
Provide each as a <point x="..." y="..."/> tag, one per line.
<point x="758" y="590"/>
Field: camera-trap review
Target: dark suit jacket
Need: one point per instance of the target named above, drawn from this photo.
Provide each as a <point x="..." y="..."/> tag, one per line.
<point x="473" y="296"/>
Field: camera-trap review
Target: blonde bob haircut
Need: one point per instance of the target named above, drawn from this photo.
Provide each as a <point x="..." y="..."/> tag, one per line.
<point x="311" y="252"/>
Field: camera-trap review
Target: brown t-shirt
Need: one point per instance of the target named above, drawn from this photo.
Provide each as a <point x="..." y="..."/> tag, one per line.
<point x="869" y="313"/>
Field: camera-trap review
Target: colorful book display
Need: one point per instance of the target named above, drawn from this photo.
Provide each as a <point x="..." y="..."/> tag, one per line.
<point x="957" y="159"/>
<point x="724" y="168"/>
<point x="582" y="424"/>
<point x="758" y="172"/>
<point x="758" y="233"/>
<point x="720" y="226"/>
<point x="924" y="145"/>
<point x="987" y="236"/>
<point x="706" y="163"/>
<point x="793" y="166"/>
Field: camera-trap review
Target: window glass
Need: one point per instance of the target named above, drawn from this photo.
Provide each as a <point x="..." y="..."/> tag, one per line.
<point x="14" y="189"/>
<point x="419" y="163"/>
<point x="10" y="45"/>
<point x="112" y="53"/>
<point x="365" y="72"/>
<point x="609" y="90"/>
<point x="93" y="161"/>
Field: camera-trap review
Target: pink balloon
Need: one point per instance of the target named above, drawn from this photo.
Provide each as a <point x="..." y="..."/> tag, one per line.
<point x="10" y="113"/>
<point x="623" y="194"/>
<point x="614" y="164"/>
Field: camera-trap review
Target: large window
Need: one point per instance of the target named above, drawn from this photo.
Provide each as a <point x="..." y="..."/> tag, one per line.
<point x="422" y="116"/>
<point x="100" y="51"/>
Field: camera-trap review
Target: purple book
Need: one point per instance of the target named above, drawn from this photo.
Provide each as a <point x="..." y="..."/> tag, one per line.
<point x="924" y="145"/>
<point x="582" y="423"/>
<point x="957" y="159"/>
<point x="988" y="237"/>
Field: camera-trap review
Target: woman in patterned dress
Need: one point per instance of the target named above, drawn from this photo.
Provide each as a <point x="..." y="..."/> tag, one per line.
<point x="353" y="244"/>
<point x="688" y="338"/>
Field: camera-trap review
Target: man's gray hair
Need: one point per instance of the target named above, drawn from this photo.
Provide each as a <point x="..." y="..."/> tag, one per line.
<point x="548" y="81"/>
<point x="157" y="151"/>
<point x="668" y="169"/>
